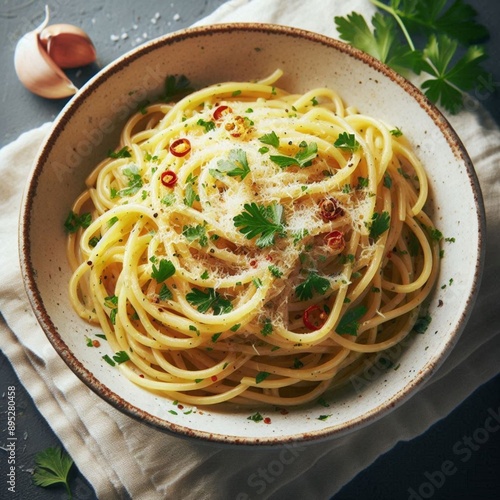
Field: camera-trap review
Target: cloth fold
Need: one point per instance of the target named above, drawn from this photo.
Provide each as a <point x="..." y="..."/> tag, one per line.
<point x="123" y="458"/>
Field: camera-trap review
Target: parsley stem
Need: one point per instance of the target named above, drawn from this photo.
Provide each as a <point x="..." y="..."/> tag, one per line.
<point x="391" y="11"/>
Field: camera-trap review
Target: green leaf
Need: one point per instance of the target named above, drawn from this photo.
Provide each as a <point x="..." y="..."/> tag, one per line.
<point x="236" y="164"/>
<point x="271" y="139"/>
<point x="349" y="322"/>
<point x="261" y="376"/>
<point x="347" y="142"/>
<point x="208" y="126"/>
<point x="379" y="224"/>
<point x="163" y="271"/>
<point x="123" y="153"/>
<point x="52" y="466"/>
<point x="120" y="357"/>
<point x="134" y="181"/>
<point x="74" y="221"/>
<point x="262" y="220"/>
<point x="165" y="293"/>
<point x="203" y="301"/>
<point x="193" y="233"/>
<point x="422" y="324"/>
<point x="313" y="283"/>
<point x="175" y="86"/>
<point x="303" y="158"/>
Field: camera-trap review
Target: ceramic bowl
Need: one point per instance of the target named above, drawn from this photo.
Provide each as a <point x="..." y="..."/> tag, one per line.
<point x="89" y="127"/>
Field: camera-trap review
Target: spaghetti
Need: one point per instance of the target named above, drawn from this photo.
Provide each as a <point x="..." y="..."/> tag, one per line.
<point x="250" y="245"/>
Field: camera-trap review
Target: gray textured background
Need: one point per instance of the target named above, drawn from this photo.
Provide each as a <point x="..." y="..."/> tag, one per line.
<point x="408" y="464"/>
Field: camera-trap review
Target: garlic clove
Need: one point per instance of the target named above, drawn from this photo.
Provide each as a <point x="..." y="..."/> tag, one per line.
<point x="68" y="45"/>
<point x="36" y="70"/>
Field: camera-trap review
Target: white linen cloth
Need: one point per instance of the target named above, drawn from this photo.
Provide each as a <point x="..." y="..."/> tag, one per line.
<point x="123" y="458"/>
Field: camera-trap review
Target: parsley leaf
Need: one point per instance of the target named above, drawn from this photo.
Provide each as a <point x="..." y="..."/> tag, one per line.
<point x="74" y="221"/>
<point x="272" y="139"/>
<point x="193" y="233"/>
<point x="303" y="158"/>
<point x="261" y="376"/>
<point x="236" y="164"/>
<point x="379" y="224"/>
<point x="165" y="293"/>
<point x="175" y="85"/>
<point x="349" y="322"/>
<point x="449" y="69"/>
<point x="123" y="153"/>
<point x="208" y="126"/>
<point x="203" y="301"/>
<point x="134" y="181"/>
<point x="313" y="283"/>
<point x="52" y="466"/>
<point x="164" y="271"/>
<point x="262" y="220"/>
<point x="347" y="142"/>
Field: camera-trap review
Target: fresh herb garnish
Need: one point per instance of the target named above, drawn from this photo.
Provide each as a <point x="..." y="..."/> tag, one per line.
<point x="208" y="126"/>
<point x="347" y="142"/>
<point x="123" y="153"/>
<point x="176" y="85"/>
<point x="193" y="233"/>
<point x="449" y="61"/>
<point x="313" y="283"/>
<point x="261" y="376"/>
<point x="266" y="221"/>
<point x="267" y="329"/>
<point x="271" y="139"/>
<point x="349" y="322"/>
<point x="236" y="165"/>
<point x="275" y="271"/>
<point x="73" y="222"/>
<point x="163" y="271"/>
<point x="256" y="417"/>
<point x="134" y="181"/>
<point x="379" y="224"/>
<point x="203" y="301"/>
<point x="303" y="158"/>
<point x="111" y="302"/>
<point x="165" y="293"/>
<point x="52" y="466"/>
<point x="422" y="324"/>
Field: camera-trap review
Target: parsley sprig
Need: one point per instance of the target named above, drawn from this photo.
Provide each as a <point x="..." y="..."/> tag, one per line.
<point x="52" y="466"/>
<point x="236" y="165"/>
<point x="303" y="158"/>
<point x="203" y="301"/>
<point x="313" y="283"/>
<point x="263" y="220"/>
<point x="450" y="61"/>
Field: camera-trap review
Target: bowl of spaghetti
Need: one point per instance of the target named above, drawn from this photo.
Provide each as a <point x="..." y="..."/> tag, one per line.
<point x="253" y="252"/>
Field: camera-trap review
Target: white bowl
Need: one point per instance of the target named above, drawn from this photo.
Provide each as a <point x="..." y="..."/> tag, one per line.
<point x="89" y="127"/>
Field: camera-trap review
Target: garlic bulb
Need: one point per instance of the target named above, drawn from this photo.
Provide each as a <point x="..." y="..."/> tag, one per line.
<point x="68" y="45"/>
<point x="39" y="68"/>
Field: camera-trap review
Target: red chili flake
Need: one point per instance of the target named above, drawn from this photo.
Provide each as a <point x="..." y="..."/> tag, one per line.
<point x="253" y="263"/>
<point x="180" y="147"/>
<point x="181" y="407"/>
<point x="269" y="258"/>
<point x="389" y="254"/>
<point x="220" y="111"/>
<point x="335" y="240"/>
<point x="141" y="375"/>
<point x="314" y="317"/>
<point x="284" y="411"/>
<point x="330" y="209"/>
<point x="213" y="378"/>
<point x="168" y="178"/>
<point x="96" y="343"/>
<point x="267" y="420"/>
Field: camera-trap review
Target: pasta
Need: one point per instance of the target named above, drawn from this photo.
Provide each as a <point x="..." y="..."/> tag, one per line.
<point x="249" y="245"/>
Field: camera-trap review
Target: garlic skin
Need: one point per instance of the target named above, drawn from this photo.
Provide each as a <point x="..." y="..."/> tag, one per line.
<point x="41" y="53"/>
<point x="67" y="45"/>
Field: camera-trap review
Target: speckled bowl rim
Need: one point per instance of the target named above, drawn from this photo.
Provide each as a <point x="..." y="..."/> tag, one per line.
<point x="118" y="402"/>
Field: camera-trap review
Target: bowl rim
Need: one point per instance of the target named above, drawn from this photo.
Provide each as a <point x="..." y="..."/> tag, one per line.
<point x="88" y="378"/>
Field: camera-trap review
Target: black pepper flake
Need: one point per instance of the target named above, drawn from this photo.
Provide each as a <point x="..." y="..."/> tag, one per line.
<point x="155" y="215"/>
<point x="89" y="263"/>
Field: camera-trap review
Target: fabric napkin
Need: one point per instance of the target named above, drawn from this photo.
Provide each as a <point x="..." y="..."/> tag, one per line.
<point x="124" y="459"/>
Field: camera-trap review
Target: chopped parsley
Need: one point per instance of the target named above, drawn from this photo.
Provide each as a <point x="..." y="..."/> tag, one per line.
<point x="134" y="181"/>
<point x="349" y="322"/>
<point x="303" y="158"/>
<point x="261" y="376"/>
<point x="275" y="271"/>
<point x="267" y="329"/>
<point x="271" y="139"/>
<point x="165" y="293"/>
<point x="208" y="126"/>
<point x="256" y="417"/>
<point x="313" y="283"/>
<point x="236" y="165"/>
<point x="396" y="132"/>
<point x="123" y="153"/>
<point x="347" y="142"/>
<point x="163" y="271"/>
<point x="379" y="224"/>
<point x="262" y="220"/>
<point x="111" y="302"/>
<point x="74" y="221"/>
<point x="422" y="323"/>
<point x="193" y="233"/>
<point x="203" y="301"/>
